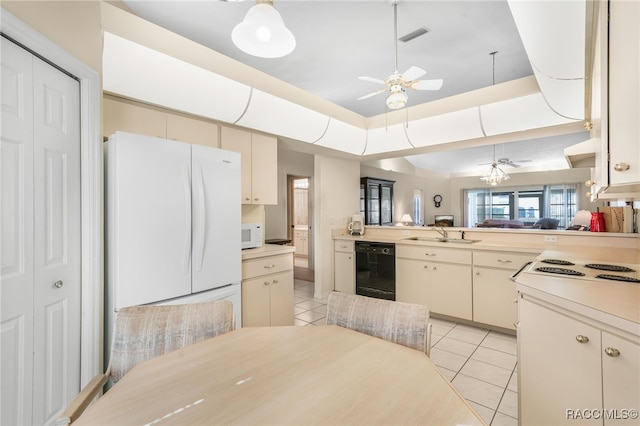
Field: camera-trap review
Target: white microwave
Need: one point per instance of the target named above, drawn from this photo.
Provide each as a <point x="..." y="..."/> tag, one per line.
<point x="251" y="235"/>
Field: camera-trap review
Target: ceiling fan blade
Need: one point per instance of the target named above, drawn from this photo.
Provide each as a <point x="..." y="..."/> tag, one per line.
<point x="427" y="84"/>
<point x="413" y="73"/>
<point x="371" y="79"/>
<point x="372" y="94"/>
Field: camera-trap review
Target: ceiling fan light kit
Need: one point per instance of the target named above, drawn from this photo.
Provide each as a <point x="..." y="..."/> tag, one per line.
<point x="262" y="33"/>
<point x="396" y="82"/>
<point x="397" y="98"/>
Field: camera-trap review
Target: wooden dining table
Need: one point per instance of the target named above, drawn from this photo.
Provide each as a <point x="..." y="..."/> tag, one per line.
<point x="293" y="375"/>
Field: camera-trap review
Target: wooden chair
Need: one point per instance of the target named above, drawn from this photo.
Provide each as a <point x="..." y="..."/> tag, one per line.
<point x="404" y="323"/>
<point x="144" y="332"/>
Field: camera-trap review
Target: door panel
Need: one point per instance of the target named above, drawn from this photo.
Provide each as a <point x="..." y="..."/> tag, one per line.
<point x="216" y="183"/>
<point x="16" y="155"/>
<point x="57" y="251"/>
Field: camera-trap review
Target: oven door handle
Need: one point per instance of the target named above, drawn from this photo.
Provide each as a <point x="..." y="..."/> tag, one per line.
<point x="514" y="276"/>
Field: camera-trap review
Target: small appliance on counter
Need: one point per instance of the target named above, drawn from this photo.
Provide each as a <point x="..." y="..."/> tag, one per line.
<point x="251" y="235"/>
<point x="356" y="226"/>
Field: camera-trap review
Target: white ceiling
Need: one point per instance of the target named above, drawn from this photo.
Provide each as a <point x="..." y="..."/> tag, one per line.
<point x="337" y="41"/>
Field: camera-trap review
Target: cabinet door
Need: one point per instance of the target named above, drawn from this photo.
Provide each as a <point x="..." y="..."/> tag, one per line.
<point x="281" y="298"/>
<point x="239" y="141"/>
<point x="451" y="290"/>
<point x="624" y="92"/>
<point x="620" y="372"/>
<point x="192" y="131"/>
<point x="494" y="296"/>
<point x="556" y="372"/>
<point x="344" y="272"/>
<point x="412" y="281"/>
<point x="120" y="115"/>
<point x="256" y="309"/>
<point x="264" y="169"/>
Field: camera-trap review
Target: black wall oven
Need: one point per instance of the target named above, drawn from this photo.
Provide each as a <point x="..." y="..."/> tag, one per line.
<point x="376" y="270"/>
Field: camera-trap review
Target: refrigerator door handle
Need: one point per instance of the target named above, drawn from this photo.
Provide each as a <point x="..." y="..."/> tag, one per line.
<point x="200" y="222"/>
<point x="187" y="220"/>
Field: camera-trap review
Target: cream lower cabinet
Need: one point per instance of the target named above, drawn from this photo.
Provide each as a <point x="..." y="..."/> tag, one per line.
<point x="267" y="291"/>
<point x="439" y="278"/>
<point x="344" y="266"/>
<point x="494" y="294"/>
<point x="565" y="372"/>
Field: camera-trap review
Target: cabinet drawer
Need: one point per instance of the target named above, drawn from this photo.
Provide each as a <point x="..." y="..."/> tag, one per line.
<point x="433" y="254"/>
<point x="504" y="260"/>
<point x="343" y="246"/>
<point x="266" y="265"/>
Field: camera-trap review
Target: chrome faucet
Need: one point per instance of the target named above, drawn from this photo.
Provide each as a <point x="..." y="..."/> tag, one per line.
<point x="442" y="232"/>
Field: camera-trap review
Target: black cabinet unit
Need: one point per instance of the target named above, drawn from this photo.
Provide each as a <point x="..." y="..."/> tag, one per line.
<point x="376" y="201"/>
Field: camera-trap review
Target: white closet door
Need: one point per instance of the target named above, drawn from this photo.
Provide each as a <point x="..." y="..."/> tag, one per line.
<point x="40" y="238"/>
<point x="16" y="140"/>
<point x="57" y="256"/>
<point x="216" y="217"/>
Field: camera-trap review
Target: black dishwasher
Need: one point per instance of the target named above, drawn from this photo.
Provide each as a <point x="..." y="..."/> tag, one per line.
<point x="376" y="270"/>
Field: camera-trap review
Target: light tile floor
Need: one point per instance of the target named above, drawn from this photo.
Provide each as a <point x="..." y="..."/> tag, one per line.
<point x="480" y="363"/>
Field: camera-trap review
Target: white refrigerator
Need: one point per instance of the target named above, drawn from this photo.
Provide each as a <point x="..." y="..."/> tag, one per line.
<point x="173" y="224"/>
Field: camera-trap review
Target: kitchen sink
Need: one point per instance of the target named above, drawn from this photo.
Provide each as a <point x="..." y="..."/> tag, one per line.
<point x="443" y="240"/>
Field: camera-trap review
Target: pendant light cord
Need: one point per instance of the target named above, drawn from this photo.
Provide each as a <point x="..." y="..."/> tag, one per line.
<point x="395" y="35"/>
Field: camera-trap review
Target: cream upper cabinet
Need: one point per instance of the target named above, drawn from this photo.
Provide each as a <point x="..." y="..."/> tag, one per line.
<point x="125" y="116"/>
<point x="128" y="116"/>
<point x="259" y="164"/>
<point x="624" y="95"/>
<point x="191" y="130"/>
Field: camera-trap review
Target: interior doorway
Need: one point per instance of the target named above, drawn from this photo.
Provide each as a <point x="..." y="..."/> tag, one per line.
<point x="299" y="225"/>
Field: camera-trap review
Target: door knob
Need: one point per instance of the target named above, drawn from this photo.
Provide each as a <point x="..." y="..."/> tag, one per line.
<point x="58" y="284"/>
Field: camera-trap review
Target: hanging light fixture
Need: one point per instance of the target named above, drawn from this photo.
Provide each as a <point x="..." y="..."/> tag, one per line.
<point x="397" y="98"/>
<point x="262" y="33"/>
<point x="496" y="175"/>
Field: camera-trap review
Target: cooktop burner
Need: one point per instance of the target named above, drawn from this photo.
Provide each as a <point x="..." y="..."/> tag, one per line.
<point x="561" y="271"/>
<point x="612" y="268"/>
<point x="618" y="278"/>
<point x="557" y="262"/>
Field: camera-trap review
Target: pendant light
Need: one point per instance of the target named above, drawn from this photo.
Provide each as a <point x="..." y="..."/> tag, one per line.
<point x="496" y="175"/>
<point x="262" y="33"/>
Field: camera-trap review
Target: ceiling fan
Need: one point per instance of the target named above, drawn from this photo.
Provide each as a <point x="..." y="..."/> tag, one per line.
<point x="396" y="82"/>
<point x="506" y="162"/>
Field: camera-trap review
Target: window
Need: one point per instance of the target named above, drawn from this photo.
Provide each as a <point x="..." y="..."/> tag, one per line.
<point x="527" y="205"/>
<point x="417" y="207"/>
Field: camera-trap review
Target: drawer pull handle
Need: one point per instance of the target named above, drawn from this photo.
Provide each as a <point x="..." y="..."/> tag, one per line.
<point x="429" y="254"/>
<point x="266" y="283"/>
<point x="582" y="339"/>
<point x="275" y="282"/>
<point x="612" y="352"/>
<point x="269" y="266"/>
<point x="504" y="261"/>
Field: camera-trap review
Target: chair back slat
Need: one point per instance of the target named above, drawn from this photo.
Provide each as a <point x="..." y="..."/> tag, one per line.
<point x="144" y="332"/>
<point x="403" y="323"/>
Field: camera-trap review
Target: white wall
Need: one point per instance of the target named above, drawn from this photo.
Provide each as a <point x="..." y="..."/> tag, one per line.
<point x="336" y="197"/>
<point x="451" y="188"/>
<point x="431" y="183"/>
<point x="289" y="163"/>
<point x="569" y="176"/>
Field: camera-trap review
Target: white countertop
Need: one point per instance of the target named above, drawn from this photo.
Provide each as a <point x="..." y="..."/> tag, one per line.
<point x="266" y="250"/>
<point x="610" y="302"/>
